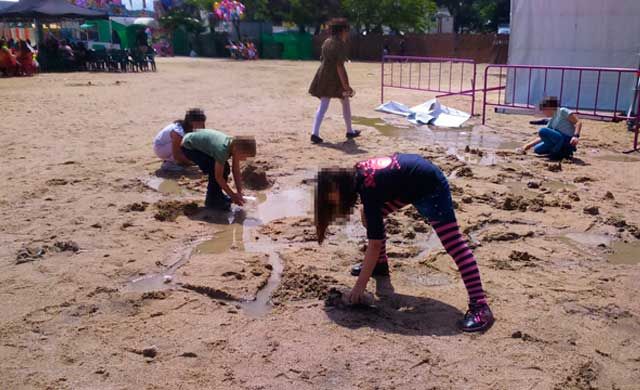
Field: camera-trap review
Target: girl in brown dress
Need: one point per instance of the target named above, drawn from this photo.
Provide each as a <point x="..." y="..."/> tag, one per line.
<point x="331" y="80"/>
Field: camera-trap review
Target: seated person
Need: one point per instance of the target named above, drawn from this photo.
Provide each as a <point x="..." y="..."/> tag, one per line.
<point x="67" y="54"/>
<point x="8" y="62"/>
<point x="252" y="51"/>
<point x="168" y="142"/>
<point x="211" y="150"/>
<point x="26" y="58"/>
<point x="560" y="137"/>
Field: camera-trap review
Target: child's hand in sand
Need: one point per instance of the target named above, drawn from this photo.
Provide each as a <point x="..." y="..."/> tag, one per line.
<point x="574" y="141"/>
<point x="521" y="150"/>
<point x="356" y="295"/>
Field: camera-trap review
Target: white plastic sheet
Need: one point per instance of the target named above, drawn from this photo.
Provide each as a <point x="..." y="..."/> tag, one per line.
<point x="430" y="112"/>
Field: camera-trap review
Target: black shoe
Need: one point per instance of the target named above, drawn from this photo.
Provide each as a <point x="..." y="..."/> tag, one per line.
<point x="381" y="269"/>
<point x="316" y="140"/>
<point x="478" y="318"/>
<point x="542" y="122"/>
<point x="354" y="134"/>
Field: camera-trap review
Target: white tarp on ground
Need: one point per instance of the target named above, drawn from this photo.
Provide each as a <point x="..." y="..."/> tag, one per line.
<point x="430" y="112"/>
<point x="589" y="33"/>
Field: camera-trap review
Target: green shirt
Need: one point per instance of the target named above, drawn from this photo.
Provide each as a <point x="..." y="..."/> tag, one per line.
<point x="213" y="143"/>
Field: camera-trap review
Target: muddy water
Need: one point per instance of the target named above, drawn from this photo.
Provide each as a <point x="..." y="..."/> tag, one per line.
<point x="522" y="188"/>
<point x="230" y="237"/>
<point x="235" y="231"/>
<point x="617" y="158"/>
<point x="590" y="239"/>
<point x="620" y="252"/>
<point x="261" y="305"/>
<point x="296" y="202"/>
<point x="164" y="186"/>
<point x="472" y="136"/>
<point x="625" y="253"/>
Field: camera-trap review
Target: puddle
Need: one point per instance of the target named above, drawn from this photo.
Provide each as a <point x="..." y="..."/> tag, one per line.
<point x="509" y="145"/>
<point x="230" y="237"/>
<point x="262" y="304"/>
<point x="625" y="253"/>
<point x="295" y="202"/>
<point x="590" y="239"/>
<point x="164" y="186"/>
<point x="617" y="158"/>
<point x="430" y="280"/>
<point x="522" y="189"/>
<point x="236" y="231"/>
<point x="619" y="252"/>
<point x="146" y="283"/>
<point x="472" y="136"/>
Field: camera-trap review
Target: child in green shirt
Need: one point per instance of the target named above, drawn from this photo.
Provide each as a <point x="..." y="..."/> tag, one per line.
<point x="211" y="150"/>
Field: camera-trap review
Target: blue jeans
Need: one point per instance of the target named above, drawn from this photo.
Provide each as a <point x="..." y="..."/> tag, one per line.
<point x="554" y="143"/>
<point x="207" y="166"/>
<point x="437" y="206"/>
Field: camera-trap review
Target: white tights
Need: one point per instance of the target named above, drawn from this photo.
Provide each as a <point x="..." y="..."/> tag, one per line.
<point x="324" y="106"/>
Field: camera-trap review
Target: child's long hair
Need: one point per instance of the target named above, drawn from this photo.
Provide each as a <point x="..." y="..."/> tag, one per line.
<point x="192" y="115"/>
<point x="342" y="181"/>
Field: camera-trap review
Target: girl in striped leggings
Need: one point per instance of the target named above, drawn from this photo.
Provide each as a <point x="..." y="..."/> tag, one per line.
<point x="387" y="184"/>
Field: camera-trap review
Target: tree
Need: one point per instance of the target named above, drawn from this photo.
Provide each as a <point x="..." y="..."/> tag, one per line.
<point x="399" y="15"/>
<point x="478" y="15"/>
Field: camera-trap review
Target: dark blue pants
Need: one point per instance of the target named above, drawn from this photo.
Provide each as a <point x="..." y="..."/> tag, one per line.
<point x="207" y="165"/>
<point x="554" y="144"/>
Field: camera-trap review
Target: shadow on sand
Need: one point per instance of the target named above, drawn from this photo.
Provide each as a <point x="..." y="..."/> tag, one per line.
<point x="400" y="314"/>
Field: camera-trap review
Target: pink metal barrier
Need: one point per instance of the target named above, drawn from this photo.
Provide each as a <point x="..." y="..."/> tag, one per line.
<point x="590" y="92"/>
<point x="446" y="76"/>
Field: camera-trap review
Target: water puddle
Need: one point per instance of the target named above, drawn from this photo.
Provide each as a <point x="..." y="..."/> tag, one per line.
<point x="230" y="237"/>
<point x="236" y="230"/>
<point x="625" y="253"/>
<point x="472" y="136"/>
<point x="522" y="189"/>
<point x="590" y="239"/>
<point x="163" y="186"/>
<point x="261" y="306"/>
<point x="617" y="158"/>
<point x="619" y="252"/>
<point x="297" y="202"/>
<point x="147" y="283"/>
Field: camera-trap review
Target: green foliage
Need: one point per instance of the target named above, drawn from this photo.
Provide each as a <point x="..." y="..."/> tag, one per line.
<point x="478" y="15"/>
<point x="399" y="15"/>
<point x="180" y="17"/>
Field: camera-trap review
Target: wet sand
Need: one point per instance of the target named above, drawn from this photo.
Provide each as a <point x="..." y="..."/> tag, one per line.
<point x="113" y="277"/>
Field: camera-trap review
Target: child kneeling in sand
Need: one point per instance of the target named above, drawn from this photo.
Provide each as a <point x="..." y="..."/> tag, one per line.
<point x="560" y="137"/>
<point x="210" y="150"/>
<point x="387" y="184"/>
<point x="168" y="142"/>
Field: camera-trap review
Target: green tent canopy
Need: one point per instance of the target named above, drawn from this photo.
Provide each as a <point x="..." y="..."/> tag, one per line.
<point x="127" y="34"/>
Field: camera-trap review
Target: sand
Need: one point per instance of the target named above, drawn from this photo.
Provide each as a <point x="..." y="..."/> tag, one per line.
<point x="111" y="278"/>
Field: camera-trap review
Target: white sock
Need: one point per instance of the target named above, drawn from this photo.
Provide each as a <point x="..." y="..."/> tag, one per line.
<point x="322" y="109"/>
<point x="346" y="113"/>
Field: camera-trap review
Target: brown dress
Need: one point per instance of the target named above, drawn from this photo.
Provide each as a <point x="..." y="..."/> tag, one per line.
<point x="327" y="83"/>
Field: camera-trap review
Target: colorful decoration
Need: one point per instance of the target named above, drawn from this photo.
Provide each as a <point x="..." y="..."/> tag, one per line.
<point x="228" y="10"/>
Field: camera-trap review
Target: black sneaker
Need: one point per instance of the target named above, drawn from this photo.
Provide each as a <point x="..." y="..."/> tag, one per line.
<point x="354" y="134"/>
<point x="542" y="122"/>
<point x="478" y="318"/>
<point x="381" y="269"/>
<point x="316" y="140"/>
